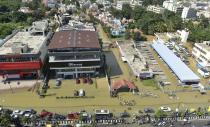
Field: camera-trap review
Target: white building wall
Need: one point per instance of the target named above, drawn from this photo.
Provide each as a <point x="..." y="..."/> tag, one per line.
<point x="198" y="53"/>
<point x="155" y="9"/>
<point x="188" y="13"/>
<point x="184" y="35"/>
<point x="172" y="6"/>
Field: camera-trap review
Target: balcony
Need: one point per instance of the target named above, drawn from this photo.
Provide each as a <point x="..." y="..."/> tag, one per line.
<point x="73" y="59"/>
<point x="20" y="65"/>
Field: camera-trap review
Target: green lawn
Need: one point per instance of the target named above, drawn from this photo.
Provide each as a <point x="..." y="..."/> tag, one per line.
<point x="149" y="82"/>
<point x="102" y="34"/>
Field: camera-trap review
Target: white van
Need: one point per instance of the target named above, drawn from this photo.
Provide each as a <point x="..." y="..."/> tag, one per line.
<point x="203" y="72"/>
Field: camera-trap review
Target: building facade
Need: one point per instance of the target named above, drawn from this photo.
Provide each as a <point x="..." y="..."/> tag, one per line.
<point x="156" y="9"/>
<point x="201" y="52"/>
<point x="189" y="13"/>
<point x="74" y="54"/>
<point x="23" y="53"/>
<point x="173" y="6"/>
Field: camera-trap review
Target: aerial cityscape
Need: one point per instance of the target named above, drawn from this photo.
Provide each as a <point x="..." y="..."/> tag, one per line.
<point x="104" y="63"/>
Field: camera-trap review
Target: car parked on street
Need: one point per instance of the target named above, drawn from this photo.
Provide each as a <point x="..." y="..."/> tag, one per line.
<point x="124" y="115"/>
<point x="149" y="110"/>
<point x="17" y="113"/>
<point x="59" y="117"/>
<point x="45" y="113"/>
<point x="165" y="109"/>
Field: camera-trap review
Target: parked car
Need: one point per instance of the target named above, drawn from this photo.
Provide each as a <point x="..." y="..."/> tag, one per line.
<point x="29" y="113"/>
<point x="186" y="121"/>
<point x="161" y="123"/>
<point x="85" y="116"/>
<point x="1" y="109"/>
<point x="124" y="115"/>
<point x="165" y="109"/>
<point x="45" y="113"/>
<point x="59" y="117"/>
<point x="203" y="72"/>
<point x="73" y="116"/>
<point x="18" y="112"/>
<point x="149" y="110"/>
<point x="208" y="123"/>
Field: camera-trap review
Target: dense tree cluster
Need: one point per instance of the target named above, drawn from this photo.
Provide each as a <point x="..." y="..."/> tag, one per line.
<point x="5" y="119"/>
<point x="152" y="2"/>
<point x="11" y="18"/>
<point x="9" y="5"/>
<point x="199" y="32"/>
<point x="7" y="28"/>
<point x="150" y="22"/>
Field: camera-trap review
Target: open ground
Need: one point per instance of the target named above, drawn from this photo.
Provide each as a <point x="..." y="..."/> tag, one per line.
<point x="99" y="90"/>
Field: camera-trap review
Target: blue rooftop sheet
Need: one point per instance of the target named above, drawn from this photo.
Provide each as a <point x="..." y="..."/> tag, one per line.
<point x="183" y="72"/>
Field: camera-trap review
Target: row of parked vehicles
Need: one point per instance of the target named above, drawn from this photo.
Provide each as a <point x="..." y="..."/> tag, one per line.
<point x="179" y="50"/>
<point x="183" y="53"/>
<point x="29" y="113"/>
<point x="101" y="114"/>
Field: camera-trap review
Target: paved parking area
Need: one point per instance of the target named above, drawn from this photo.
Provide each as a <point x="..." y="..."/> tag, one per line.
<point x="134" y="58"/>
<point x="13" y="85"/>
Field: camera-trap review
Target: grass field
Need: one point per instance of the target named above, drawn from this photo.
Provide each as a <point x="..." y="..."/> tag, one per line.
<point x="102" y="34"/>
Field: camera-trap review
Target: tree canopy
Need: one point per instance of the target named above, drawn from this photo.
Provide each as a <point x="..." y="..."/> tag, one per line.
<point x="152" y="2"/>
<point x="9" y="5"/>
<point x="150" y="22"/>
<point x="11" y="18"/>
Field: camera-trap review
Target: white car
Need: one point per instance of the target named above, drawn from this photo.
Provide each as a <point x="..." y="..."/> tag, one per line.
<point x="177" y="110"/>
<point x="17" y="112"/>
<point x="165" y="109"/>
<point x="28" y="115"/>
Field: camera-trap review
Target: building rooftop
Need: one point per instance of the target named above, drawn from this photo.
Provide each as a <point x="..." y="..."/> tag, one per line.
<point x="165" y="37"/>
<point x="31" y="43"/>
<point x="183" y="72"/>
<point x="123" y="84"/>
<point x="74" y="39"/>
<point x="133" y="57"/>
<point x="27" y="41"/>
<point x="74" y="25"/>
<point x="203" y="46"/>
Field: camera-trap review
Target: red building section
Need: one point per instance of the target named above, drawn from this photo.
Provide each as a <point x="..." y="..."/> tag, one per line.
<point x="21" y="69"/>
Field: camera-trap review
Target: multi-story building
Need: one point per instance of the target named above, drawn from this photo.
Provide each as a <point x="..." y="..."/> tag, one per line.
<point x="205" y="13"/>
<point x="50" y="3"/>
<point x="173" y="6"/>
<point x="75" y="53"/>
<point x="189" y="13"/>
<point x="23" y="53"/>
<point x="134" y="3"/>
<point x="77" y="25"/>
<point x="119" y="4"/>
<point x="156" y="9"/>
<point x="201" y="52"/>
